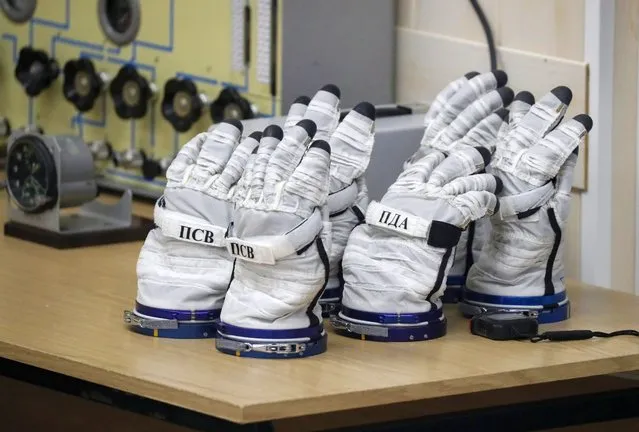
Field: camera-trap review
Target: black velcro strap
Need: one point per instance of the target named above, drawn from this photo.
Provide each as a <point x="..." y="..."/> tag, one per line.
<point x="443" y="235"/>
<point x="527" y="213"/>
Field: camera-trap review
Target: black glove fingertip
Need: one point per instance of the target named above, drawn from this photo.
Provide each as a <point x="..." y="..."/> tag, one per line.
<point x="321" y="144"/>
<point x="485" y="154"/>
<point x="304" y="100"/>
<point x="585" y="120"/>
<point x="501" y="77"/>
<point x="366" y="109"/>
<point x="502" y="113"/>
<point x="563" y="93"/>
<point x="471" y="75"/>
<point x="274" y="131"/>
<point x="309" y="126"/>
<point x="234" y="122"/>
<point x="499" y="185"/>
<point x="332" y="88"/>
<point x="257" y="135"/>
<point x="506" y="94"/>
<point x="526" y="97"/>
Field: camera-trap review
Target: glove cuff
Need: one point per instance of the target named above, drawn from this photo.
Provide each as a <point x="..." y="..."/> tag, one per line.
<point x="172" y="323"/>
<point x="244" y="342"/>
<point x="547" y="308"/>
<point x="389" y="327"/>
<point x="188" y="228"/>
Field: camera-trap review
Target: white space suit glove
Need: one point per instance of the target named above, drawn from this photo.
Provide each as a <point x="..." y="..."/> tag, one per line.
<point x="468" y="111"/>
<point x="521" y="266"/>
<point x="395" y="266"/>
<point x="351" y="142"/>
<point x="279" y="236"/>
<point x="183" y="268"/>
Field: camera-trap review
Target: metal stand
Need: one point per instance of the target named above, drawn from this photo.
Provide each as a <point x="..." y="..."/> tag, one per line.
<point x="94" y="223"/>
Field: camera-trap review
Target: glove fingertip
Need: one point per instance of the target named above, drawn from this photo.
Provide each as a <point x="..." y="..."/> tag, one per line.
<point x="322" y="145"/>
<point x="506" y="94"/>
<point x="585" y="120"/>
<point x="563" y="93"/>
<point x="273" y="131"/>
<point x="366" y="109"/>
<point x="502" y="113"/>
<point x="309" y="126"/>
<point x="257" y="135"/>
<point x="501" y="77"/>
<point x="485" y="154"/>
<point x="499" y="185"/>
<point x="526" y="97"/>
<point x="333" y="89"/>
<point x="471" y="75"/>
<point x="234" y="122"/>
<point x="304" y="100"/>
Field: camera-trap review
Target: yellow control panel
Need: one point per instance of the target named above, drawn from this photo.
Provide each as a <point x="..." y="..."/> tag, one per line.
<point x="212" y="44"/>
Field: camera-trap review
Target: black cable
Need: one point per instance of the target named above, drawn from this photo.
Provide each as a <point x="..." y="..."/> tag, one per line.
<point x="568" y="335"/>
<point x="489" y="33"/>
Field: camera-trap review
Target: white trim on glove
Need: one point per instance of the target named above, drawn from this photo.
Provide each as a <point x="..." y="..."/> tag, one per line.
<point x="188" y="228"/>
<point x="270" y="249"/>
<point x="388" y="218"/>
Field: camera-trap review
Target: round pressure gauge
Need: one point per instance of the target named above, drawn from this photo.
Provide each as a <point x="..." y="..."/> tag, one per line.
<point x="32" y="179"/>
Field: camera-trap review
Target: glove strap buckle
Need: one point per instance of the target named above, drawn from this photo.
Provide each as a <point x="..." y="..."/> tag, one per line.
<point x="360" y="329"/>
<point x="169" y="328"/>
<point x="132" y="319"/>
<point x="271" y="349"/>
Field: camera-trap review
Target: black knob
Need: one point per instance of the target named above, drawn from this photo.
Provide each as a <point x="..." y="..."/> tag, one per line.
<point x="182" y="105"/>
<point x="150" y="168"/>
<point x="131" y="93"/>
<point x="230" y="105"/>
<point x="36" y="71"/>
<point x="82" y="84"/>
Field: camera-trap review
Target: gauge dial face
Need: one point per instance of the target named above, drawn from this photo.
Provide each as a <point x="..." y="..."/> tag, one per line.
<point x="30" y="174"/>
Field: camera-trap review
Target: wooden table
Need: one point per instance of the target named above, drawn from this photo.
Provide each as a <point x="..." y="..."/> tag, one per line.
<point x="61" y="311"/>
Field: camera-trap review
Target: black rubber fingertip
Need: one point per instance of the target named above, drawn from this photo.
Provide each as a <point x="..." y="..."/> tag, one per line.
<point x="309" y="126"/>
<point x="585" y="120"/>
<point x="471" y="75"/>
<point x="366" y="109"/>
<point x="496" y="207"/>
<point x="507" y="95"/>
<point x="332" y="88"/>
<point x="274" y="131"/>
<point x="502" y="113"/>
<point x="500" y="185"/>
<point x="485" y="154"/>
<point x="255" y="150"/>
<point x="304" y="100"/>
<point x="234" y="122"/>
<point x="563" y="93"/>
<point x="501" y="77"/>
<point x="257" y="135"/>
<point x="525" y="96"/>
<point x="321" y="144"/>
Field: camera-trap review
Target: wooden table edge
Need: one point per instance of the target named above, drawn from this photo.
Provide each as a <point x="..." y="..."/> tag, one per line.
<point x="259" y="412"/>
<point x="126" y="383"/>
<point x="435" y="389"/>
